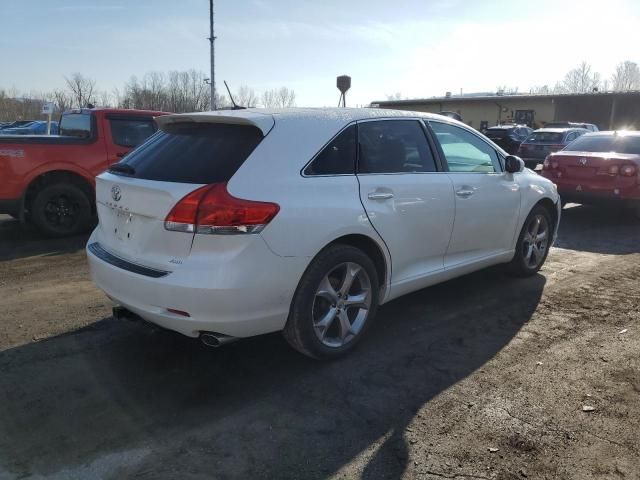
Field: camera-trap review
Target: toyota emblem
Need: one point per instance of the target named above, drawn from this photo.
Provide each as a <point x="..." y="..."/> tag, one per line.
<point x="583" y="161"/>
<point x="115" y="193"/>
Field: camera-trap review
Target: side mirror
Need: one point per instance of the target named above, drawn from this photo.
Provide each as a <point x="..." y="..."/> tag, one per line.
<point x="513" y="164"/>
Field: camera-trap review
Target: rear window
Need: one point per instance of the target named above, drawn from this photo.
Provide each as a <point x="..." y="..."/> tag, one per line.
<point x="194" y="153"/>
<point x="131" y="132"/>
<point x="602" y="143"/>
<point x="497" y="133"/>
<point x="76" y="125"/>
<point x="545" y="137"/>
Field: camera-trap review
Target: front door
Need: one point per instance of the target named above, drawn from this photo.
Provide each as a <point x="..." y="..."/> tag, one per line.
<point x="408" y="201"/>
<point x="487" y="199"/>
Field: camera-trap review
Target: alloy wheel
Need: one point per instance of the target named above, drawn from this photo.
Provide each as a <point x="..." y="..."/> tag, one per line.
<point x="535" y="241"/>
<point x="341" y="304"/>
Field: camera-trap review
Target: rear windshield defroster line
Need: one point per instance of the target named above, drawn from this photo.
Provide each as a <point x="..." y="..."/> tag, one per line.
<point x="192" y="153"/>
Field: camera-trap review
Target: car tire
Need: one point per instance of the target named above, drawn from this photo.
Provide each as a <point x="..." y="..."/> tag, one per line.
<point x="532" y="249"/>
<point x="61" y="210"/>
<point x="325" y="322"/>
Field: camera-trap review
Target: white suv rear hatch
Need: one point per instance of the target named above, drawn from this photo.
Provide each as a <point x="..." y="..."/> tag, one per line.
<point x="135" y="196"/>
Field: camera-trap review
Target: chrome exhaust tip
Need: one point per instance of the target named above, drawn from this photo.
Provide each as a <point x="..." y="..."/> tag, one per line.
<point x="215" y="340"/>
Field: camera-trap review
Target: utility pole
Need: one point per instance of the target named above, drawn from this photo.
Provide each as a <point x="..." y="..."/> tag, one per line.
<point x="212" y="39"/>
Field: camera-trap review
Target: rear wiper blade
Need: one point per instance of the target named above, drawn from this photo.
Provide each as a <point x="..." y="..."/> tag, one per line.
<point x="122" y="168"/>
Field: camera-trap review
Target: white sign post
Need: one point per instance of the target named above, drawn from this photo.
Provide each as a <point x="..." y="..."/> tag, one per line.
<point x="47" y="109"/>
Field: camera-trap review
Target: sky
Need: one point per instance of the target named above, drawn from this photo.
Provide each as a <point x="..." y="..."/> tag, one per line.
<point x="419" y="48"/>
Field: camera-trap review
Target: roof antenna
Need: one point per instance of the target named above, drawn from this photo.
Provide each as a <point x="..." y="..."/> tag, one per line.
<point x="235" y="107"/>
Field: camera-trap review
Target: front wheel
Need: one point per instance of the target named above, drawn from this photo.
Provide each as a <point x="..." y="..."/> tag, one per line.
<point x="334" y="304"/>
<point x="533" y="243"/>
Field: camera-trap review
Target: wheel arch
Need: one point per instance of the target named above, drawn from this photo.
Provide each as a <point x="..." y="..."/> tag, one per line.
<point x="374" y="251"/>
<point x="53" y="177"/>
<point x="551" y="207"/>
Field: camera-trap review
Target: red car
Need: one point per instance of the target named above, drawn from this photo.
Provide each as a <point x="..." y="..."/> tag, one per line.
<point x="49" y="180"/>
<point x="602" y="167"/>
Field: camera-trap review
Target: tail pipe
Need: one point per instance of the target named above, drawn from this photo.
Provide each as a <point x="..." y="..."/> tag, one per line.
<point x="215" y="340"/>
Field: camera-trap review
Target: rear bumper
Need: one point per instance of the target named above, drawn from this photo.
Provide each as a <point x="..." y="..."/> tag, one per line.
<point x="240" y="296"/>
<point x="602" y="198"/>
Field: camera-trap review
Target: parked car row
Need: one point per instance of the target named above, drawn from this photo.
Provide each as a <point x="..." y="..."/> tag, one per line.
<point x="544" y="141"/>
<point x="36" y="127"/>
<point x="601" y="167"/>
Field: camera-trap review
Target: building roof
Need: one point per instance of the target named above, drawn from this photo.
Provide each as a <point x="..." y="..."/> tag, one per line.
<point x="485" y="98"/>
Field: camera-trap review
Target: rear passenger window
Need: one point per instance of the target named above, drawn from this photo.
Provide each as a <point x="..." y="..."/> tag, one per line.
<point x="338" y="157"/>
<point x="394" y="146"/>
<point x="131" y="133"/>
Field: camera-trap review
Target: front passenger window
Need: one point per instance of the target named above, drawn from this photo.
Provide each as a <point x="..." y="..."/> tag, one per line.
<point x="464" y="151"/>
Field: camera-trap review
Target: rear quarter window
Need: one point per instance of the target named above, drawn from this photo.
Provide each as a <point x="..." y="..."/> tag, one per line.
<point x="194" y="153"/>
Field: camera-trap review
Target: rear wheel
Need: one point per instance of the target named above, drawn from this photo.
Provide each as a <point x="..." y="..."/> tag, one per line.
<point x="533" y="243"/>
<point x="334" y="304"/>
<point x="61" y="210"/>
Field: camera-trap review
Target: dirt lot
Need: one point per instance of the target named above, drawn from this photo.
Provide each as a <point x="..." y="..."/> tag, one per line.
<point x="482" y="377"/>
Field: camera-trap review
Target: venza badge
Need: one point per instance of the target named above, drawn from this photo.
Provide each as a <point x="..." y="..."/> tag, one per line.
<point x="115" y="193"/>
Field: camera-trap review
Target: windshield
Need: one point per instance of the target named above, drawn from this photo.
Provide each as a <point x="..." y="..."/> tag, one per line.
<point x="545" y="137"/>
<point x="606" y="143"/>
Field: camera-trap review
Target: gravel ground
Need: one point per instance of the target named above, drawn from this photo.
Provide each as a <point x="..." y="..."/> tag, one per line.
<point x="482" y="377"/>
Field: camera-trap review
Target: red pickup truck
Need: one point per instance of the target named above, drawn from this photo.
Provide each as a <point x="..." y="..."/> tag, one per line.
<point x="49" y="180"/>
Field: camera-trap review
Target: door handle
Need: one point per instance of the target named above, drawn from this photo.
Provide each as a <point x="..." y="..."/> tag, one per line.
<point x="379" y="195"/>
<point x="464" y="193"/>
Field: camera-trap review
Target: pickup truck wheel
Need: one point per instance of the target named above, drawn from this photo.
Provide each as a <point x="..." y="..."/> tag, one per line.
<point x="60" y="210"/>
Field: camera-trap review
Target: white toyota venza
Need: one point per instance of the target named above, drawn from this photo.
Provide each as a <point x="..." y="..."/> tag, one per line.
<point x="230" y="224"/>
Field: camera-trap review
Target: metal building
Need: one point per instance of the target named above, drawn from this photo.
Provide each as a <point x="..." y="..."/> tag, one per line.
<point x="608" y="110"/>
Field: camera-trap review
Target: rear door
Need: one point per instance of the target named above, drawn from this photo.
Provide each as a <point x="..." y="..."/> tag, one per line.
<point x="136" y="195"/>
<point x="124" y="133"/>
<point x="487" y="199"/>
<point x="407" y="199"/>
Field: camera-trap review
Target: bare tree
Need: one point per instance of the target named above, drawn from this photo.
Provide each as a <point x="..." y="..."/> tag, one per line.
<point x="541" y="90"/>
<point x="286" y="97"/>
<point x="81" y="88"/>
<point x="246" y="97"/>
<point x="395" y="96"/>
<point x="62" y="100"/>
<point x="282" y="97"/>
<point x="626" y="77"/>
<point x="581" y="79"/>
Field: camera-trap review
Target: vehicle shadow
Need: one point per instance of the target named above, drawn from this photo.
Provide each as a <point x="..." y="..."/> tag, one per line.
<point x="255" y="408"/>
<point x="19" y="241"/>
<point x="599" y="230"/>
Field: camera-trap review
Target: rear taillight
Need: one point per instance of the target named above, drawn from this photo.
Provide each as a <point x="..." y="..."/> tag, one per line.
<point x="628" y="170"/>
<point x="212" y="210"/>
